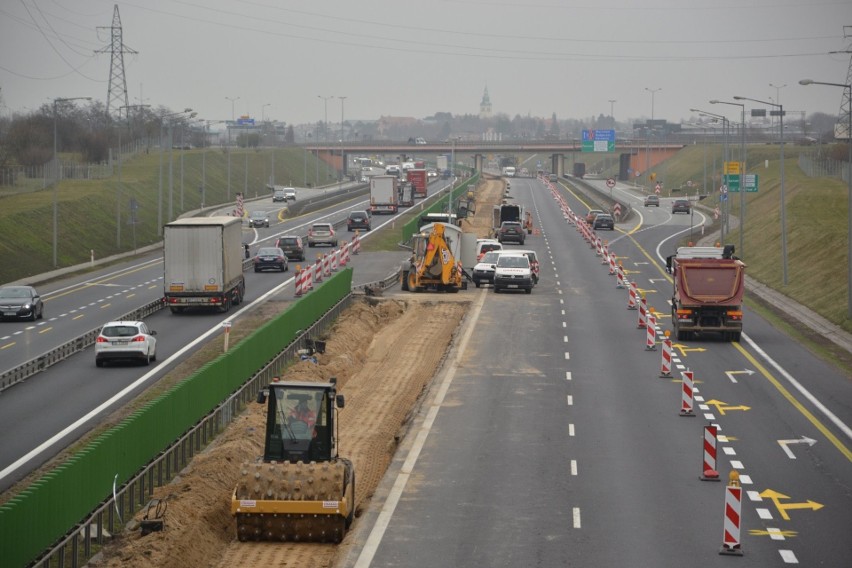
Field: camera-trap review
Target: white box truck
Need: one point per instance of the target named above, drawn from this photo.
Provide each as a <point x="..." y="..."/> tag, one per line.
<point x="383" y="195"/>
<point x="203" y="263"/>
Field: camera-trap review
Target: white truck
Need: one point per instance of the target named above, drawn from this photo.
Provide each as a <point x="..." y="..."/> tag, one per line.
<point x="443" y="164"/>
<point x="383" y="195"/>
<point x="203" y="263"/>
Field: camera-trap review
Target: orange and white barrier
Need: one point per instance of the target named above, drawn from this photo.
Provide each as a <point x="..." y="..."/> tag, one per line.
<point x="651" y="336"/>
<point x="687" y="393"/>
<point x="632" y="293"/>
<point x="605" y="253"/>
<point x="297" y="282"/>
<point x="335" y="259"/>
<point x="643" y="313"/>
<point x="708" y="469"/>
<point x="620" y="283"/>
<point x="733" y="517"/>
<point x="318" y="269"/>
<point x="356" y="243"/>
<point x="326" y="265"/>
<point x="612" y="267"/>
<point x="666" y="365"/>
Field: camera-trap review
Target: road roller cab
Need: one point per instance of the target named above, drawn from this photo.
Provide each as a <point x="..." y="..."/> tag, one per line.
<point x="300" y="489"/>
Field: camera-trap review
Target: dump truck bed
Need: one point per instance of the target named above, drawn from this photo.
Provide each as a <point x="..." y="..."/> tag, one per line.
<point x="711" y="281"/>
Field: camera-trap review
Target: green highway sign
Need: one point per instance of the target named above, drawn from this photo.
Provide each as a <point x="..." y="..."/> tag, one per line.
<point x="733" y="183"/>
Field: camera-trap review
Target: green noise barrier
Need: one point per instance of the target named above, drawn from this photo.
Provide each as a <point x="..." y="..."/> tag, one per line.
<point x="440" y="206"/>
<point x="39" y="516"/>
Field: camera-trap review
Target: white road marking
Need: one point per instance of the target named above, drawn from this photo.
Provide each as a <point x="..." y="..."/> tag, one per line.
<point x="736" y="464"/>
<point x="754" y="495"/>
<point x="745" y="480"/>
<point x="573" y="467"/>
<point x="775" y="533"/>
<point x="764" y="514"/>
<point x="571" y="430"/>
<point x="567" y="356"/>
<point x="577" y="524"/>
<point x="729" y="451"/>
<point x="365" y="558"/>
<point x="568" y="375"/>
<point x="788" y="557"/>
<point x="570" y="400"/>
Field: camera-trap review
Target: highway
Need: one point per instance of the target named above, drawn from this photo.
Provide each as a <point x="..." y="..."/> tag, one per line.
<point x="77" y="394"/>
<point x="551" y="439"/>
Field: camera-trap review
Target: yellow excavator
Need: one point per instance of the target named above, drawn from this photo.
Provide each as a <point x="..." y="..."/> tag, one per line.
<point x="435" y="262"/>
<point x="300" y="490"/>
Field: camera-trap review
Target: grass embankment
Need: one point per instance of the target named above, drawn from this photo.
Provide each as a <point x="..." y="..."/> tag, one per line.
<point x="87" y="209"/>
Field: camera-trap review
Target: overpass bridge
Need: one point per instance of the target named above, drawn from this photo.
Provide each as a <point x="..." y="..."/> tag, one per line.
<point x="634" y="156"/>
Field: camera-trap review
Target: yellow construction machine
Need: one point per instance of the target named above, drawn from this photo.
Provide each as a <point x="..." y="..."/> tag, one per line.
<point x="435" y="262"/>
<point x="300" y="490"/>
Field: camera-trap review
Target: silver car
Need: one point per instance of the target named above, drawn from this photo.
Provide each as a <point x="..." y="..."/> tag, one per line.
<point x="322" y="234"/>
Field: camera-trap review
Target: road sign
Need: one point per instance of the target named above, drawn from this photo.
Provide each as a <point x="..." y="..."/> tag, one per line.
<point x="610" y="182"/>
<point x="617" y="209"/>
<point x="732" y="167"/>
<point x="657" y="188"/>
<point x="733" y="183"/>
<point x="598" y="141"/>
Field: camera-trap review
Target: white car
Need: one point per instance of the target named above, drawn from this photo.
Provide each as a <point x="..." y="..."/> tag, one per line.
<point x="289" y="194"/>
<point x="486" y="245"/>
<point x="513" y="272"/>
<point x="125" y="341"/>
<point x="483" y="272"/>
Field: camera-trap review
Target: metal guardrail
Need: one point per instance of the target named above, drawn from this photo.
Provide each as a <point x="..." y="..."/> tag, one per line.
<point x="57" y="354"/>
<point x="111" y="515"/>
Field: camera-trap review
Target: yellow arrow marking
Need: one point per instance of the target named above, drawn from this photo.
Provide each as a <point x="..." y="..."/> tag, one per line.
<point x="784" y="507"/>
<point x="684" y="349"/>
<point x="723" y="407"/>
<point x="773" y="533"/>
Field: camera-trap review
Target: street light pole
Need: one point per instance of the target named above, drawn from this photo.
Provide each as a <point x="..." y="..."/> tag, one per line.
<point x="342" y="159"/>
<point x="778" y="93"/>
<point x="653" y="91"/>
<point x="849" y="183"/>
<point x="118" y="190"/>
<point x="56" y="170"/>
<point x="160" y="185"/>
<point x="232" y="99"/>
<point x="725" y="128"/>
<point x="742" y="172"/>
<point x="780" y="108"/>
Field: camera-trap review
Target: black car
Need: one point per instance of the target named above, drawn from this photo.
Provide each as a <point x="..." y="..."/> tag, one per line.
<point x="511" y="231"/>
<point x="681" y="206"/>
<point x="603" y="221"/>
<point x="20" y="302"/>
<point x="270" y="257"/>
<point x="358" y="220"/>
<point x="292" y="246"/>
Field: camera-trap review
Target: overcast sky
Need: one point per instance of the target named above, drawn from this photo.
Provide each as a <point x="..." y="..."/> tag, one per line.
<point x="415" y="58"/>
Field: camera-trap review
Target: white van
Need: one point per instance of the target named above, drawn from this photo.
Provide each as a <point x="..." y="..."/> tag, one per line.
<point x="509" y="171"/>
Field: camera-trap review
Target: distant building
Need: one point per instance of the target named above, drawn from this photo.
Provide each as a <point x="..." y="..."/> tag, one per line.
<point x="485" y="105"/>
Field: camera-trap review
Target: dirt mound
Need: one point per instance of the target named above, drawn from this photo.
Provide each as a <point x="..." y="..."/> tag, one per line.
<point x="383" y="353"/>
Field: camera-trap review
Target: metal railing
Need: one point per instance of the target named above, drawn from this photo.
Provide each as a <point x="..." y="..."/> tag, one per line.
<point x="57" y="354"/>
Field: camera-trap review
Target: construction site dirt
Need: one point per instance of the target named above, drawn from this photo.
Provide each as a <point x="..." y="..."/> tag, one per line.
<point x="382" y="369"/>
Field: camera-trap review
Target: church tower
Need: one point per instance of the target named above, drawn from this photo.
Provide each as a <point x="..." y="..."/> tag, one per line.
<point x="485" y="105"/>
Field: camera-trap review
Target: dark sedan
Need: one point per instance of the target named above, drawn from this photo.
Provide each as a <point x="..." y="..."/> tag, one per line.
<point x="20" y="302"/>
<point x="270" y="257"/>
<point x="681" y="206"/>
<point x="603" y="221"/>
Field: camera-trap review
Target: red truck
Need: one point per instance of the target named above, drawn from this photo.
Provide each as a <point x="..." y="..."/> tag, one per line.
<point x="419" y="178"/>
<point x="709" y="284"/>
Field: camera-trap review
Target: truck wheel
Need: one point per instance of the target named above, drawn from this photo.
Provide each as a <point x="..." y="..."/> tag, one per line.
<point x="528" y="290"/>
<point x="404" y="283"/>
<point x="226" y="305"/>
<point x="735" y="336"/>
